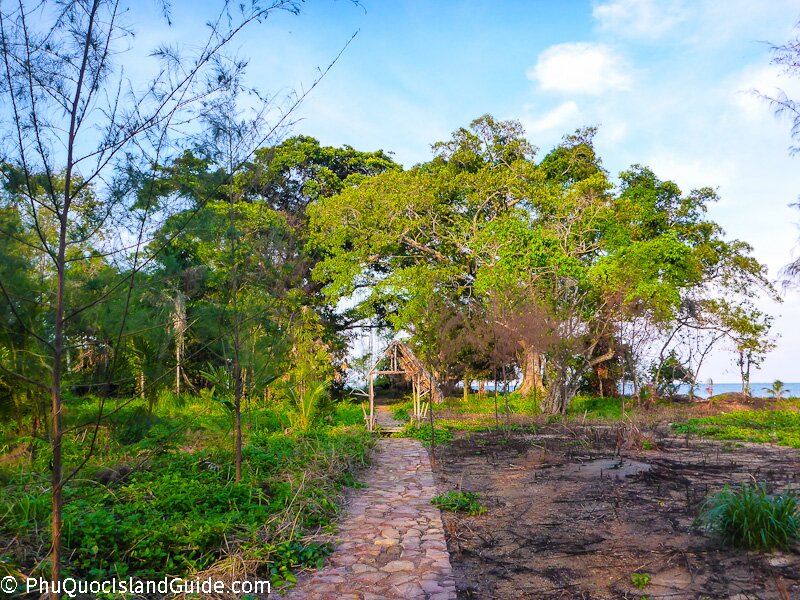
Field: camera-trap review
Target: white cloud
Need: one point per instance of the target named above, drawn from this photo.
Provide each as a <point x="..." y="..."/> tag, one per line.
<point x="561" y="118"/>
<point x="649" y="19"/>
<point x="581" y="68"/>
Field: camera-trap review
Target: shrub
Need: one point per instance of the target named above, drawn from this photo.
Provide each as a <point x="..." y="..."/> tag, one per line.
<point x="468" y="502"/>
<point x="400" y="413"/>
<point x="750" y="518"/>
<point x="423" y="433"/>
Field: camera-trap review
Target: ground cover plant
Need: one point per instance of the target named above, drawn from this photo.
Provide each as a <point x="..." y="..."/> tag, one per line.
<point x="159" y="496"/>
<point x="748" y="517"/>
<point x="765" y="425"/>
<point x="521" y="405"/>
<point x="458" y="501"/>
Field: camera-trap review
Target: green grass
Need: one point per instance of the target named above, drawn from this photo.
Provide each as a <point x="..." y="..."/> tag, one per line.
<point x="750" y="518"/>
<point x="402" y="411"/>
<point x="483" y="404"/>
<point x="597" y="408"/>
<point x="765" y="426"/>
<point x="443" y="434"/>
<point x="592" y="407"/>
<point x="468" y="502"/>
<point x="179" y="507"/>
<point x="446" y="428"/>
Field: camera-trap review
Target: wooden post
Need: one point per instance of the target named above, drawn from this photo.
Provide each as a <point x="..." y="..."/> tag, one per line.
<point x="414" y="411"/>
<point x="370" y="424"/>
<point x="433" y="430"/>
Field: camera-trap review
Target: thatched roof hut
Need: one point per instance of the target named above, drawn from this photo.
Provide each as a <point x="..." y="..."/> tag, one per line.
<point x="403" y="361"/>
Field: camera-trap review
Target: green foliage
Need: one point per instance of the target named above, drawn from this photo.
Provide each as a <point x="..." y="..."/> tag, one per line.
<point x="347" y="413"/>
<point x="401" y="412"/>
<point x="292" y="555"/>
<point x="591" y="406"/>
<point x="468" y="502"/>
<point x="482" y="252"/>
<point x="445" y="429"/>
<point x="640" y="580"/>
<point x="442" y="434"/>
<point x="765" y="426"/>
<point x="669" y="374"/>
<point x="596" y="408"/>
<point x="777" y="390"/>
<point x="155" y="508"/>
<point x="483" y="404"/>
<point x="305" y="405"/>
<point x="750" y="518"/>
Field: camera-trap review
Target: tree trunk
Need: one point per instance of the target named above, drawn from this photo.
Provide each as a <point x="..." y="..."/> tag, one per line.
<point x="237" y="339"/>
<point x="505" y="395"/>
<point x="531" y="372"/>
<point x="179" y="325"/>
<point x="433" y="425"/>
<point x="448" y="387"/>
<point x="605" y="382"/>
<point x="496" y="411"/>
<point x="237" y="406"/>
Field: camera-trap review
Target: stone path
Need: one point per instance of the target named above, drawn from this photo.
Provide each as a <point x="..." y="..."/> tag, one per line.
<point x="392" y="541"/>
<point x="385" y="418"/>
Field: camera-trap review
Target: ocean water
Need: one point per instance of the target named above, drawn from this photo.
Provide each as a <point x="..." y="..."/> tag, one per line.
<point x="756" y="389"/>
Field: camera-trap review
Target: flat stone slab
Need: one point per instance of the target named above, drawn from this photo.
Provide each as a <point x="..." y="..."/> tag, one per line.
<point x="391" y="541"/>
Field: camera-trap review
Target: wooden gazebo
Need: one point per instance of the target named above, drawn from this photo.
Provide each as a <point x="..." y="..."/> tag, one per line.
<point x="402" y="361"/>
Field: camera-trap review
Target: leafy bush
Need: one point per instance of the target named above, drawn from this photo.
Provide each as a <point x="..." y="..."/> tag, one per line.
<point x="178" y="506"/>
<point x="347" y="413"/>
<point x="401" y="412"/>
<point x="468" y="502"/>
<point x="750" y="518"/>
<point x="306" y="404"/>
<point x="483" y="404"/>
<point x="422" y="433"/>
<point x="292" y="555"/>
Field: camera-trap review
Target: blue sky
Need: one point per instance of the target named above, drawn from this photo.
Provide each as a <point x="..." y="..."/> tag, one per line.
<point x="666" y="81"/>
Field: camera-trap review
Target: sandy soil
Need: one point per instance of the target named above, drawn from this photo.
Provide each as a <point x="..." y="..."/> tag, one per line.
<point x="570" y="519"/>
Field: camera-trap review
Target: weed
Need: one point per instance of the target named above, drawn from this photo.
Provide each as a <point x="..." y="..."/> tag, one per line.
<point x="292" y="555"/>
<point x="423" y="433"/>
<point x="640" y="580"/>
<point x="401" y="413"/>
<point x="750" y="518"/>
<point x="468" y="502"/>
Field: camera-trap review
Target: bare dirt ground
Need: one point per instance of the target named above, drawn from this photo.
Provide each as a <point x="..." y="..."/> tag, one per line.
<point x="569" y="519"/>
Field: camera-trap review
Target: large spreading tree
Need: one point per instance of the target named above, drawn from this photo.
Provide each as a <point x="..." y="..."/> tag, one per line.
<point x="550" y="249"/>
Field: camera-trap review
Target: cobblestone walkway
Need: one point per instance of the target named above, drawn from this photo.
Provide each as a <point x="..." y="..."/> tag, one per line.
<point x="391" y="540"/>
<point x="383" y="414"/>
